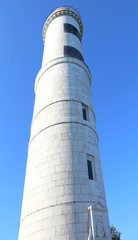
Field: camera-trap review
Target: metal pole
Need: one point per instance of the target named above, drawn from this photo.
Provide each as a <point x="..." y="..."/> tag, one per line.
<point x="92" y="222"/>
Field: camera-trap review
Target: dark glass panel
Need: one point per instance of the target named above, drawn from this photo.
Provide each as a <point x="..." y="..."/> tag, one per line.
<point x="84" y="114"/>
<point x="89" y="164"/>
<point x="70" y="51"/>
<point x="71" y="29"/>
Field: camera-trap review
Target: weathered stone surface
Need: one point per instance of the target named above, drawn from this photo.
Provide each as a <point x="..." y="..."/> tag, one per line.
<point x="57" y="190"/>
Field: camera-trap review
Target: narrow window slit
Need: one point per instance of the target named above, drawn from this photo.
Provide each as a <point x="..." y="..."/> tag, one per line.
<point x="85" y="112"/>
<point x="91" y="167"/>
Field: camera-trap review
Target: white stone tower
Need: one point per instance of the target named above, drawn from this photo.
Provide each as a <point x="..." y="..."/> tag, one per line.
<point x="64" y="197"/>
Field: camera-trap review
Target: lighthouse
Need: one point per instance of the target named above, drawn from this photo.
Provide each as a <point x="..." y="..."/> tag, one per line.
<point x="64" y="196"/>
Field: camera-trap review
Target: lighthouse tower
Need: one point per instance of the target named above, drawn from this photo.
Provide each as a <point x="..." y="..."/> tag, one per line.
<point x="64" y="197"/>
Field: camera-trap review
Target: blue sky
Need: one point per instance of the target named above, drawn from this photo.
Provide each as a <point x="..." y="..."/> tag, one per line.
<point x="110" y="46"/>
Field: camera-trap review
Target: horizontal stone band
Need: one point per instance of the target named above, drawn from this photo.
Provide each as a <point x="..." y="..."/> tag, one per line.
<point x="64" y="100"/>
<point x="59" y="61"/>
<point x="51" y="206"/>
<point x="69" y="122"/>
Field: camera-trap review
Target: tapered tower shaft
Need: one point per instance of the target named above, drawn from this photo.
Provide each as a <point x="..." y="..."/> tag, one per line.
<point x="64" y="197"/>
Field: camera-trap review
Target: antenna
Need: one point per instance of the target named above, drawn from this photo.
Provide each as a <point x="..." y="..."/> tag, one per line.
<point x="78" y="10"/>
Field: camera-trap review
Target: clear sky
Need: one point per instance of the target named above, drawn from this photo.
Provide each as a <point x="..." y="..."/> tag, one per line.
<point x="110" y="46"/>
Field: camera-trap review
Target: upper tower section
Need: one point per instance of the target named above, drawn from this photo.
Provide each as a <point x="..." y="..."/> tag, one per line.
<point x="62" y="35"/>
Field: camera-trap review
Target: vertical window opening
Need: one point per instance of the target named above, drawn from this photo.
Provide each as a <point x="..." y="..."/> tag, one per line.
<point x="85" y="112"/>
<point x="91" y="167"/>
<point x="90" y="175"/>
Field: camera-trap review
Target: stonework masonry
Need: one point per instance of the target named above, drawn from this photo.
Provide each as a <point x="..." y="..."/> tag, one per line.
<point x="60" y="201"/>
